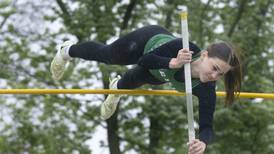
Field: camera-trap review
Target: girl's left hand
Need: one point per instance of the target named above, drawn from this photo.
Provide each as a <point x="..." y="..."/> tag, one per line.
<point x="196" y="147"/>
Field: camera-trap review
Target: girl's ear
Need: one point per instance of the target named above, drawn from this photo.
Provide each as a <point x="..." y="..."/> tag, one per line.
<point x="204" y="54"/>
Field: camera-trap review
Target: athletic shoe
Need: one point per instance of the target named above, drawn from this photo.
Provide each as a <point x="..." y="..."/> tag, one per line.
<point x="60" y="61"/>
<point x="110" y="104"/>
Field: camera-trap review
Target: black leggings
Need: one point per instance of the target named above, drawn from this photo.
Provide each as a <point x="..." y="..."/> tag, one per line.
<point x="125" y="51"/>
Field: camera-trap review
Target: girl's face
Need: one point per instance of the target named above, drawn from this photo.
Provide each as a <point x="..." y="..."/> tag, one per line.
<point x="212" y="68"/>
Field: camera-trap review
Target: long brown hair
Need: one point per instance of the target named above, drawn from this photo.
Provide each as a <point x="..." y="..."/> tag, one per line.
<point x="233" y="78"/>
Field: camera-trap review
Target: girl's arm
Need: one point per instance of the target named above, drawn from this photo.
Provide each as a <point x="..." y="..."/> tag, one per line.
<point x="164" y="56"/>
<point x="206" y="94"/>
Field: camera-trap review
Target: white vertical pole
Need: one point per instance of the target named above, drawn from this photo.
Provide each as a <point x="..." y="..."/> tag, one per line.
<point x="188" y="85"/>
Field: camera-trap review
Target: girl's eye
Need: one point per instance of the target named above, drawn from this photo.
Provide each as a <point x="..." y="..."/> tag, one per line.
<point x="215" y="68"/>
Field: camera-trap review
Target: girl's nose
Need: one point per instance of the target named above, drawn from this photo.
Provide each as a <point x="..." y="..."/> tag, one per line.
<point x="215" y="75"/>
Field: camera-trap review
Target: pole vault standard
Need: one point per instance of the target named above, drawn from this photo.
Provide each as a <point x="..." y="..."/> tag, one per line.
<point x="188" y="84"/>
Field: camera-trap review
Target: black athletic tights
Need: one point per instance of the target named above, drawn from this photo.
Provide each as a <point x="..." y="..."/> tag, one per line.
<point x="125" y="51"/>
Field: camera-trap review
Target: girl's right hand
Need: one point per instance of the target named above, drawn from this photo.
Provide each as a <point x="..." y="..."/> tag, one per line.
<point x="184" y="56"/>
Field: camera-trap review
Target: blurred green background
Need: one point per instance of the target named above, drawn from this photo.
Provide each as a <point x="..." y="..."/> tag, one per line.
<point x="70" y="124"/>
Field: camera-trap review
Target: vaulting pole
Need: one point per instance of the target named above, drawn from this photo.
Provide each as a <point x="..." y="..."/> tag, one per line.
<point x="188" y="84"/>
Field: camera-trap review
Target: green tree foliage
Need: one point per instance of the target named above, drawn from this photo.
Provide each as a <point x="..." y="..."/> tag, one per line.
<point x="39" y="124"/>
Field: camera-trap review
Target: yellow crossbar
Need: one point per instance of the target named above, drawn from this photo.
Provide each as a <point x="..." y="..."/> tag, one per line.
<point x="128" y="92"/>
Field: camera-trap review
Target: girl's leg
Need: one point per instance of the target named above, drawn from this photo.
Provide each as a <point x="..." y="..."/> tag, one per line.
<point x="124" y="51"/>
<point x="137" y="77"/>
<point x="133" y="78"/>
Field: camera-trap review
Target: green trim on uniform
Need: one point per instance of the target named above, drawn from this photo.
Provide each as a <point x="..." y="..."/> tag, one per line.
<point x="167" y="75"/>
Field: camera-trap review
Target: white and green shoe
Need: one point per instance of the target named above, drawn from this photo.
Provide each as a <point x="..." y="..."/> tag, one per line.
<point x="60" y="61"/>
<point x="110" y="104"/>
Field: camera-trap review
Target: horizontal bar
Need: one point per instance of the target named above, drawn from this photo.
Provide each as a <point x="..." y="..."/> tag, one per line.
<point x="129" y="92"/>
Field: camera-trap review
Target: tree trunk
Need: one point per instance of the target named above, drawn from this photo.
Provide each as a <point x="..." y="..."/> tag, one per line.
<point x="154" y="134"/>
<point x="112" y="123"/>
<point x="154" y="129"/>
<point x="112" y="130"/>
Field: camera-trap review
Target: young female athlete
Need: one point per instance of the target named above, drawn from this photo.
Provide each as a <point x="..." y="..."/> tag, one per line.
<point x="160" y="58"/>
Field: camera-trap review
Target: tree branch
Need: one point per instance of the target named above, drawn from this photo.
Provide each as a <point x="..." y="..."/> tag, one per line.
<point x="169" y="13"/>
<point x="6" y="18"/>
<point x="63" y="7"/>
<point x="238" y="17"/>
<point x="128" y="14"/>
<point x="65" y="13"/>
<point x="263" y="10"/>
<point x="203" y="14"/>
